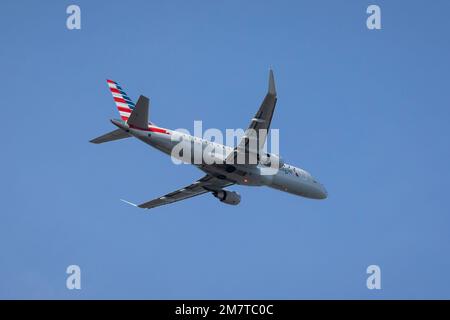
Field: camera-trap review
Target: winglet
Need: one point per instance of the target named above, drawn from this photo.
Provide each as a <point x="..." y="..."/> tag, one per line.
<point x="128" y="202"/>
<point x="272" y="89"/>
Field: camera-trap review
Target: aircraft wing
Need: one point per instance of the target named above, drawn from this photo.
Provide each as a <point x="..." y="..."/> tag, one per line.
<point x="255" y="136"/>
<point x="206" y="184"/>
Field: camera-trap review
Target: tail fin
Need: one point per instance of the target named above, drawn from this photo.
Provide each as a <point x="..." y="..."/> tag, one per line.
<point x="123" y="102"/>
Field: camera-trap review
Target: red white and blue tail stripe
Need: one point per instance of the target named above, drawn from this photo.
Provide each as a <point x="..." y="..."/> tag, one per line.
<point x="123" y="102"/>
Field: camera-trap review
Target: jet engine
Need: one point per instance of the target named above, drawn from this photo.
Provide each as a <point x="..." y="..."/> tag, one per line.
<point x="271" y="159"/>
<point x="228" y="197"/>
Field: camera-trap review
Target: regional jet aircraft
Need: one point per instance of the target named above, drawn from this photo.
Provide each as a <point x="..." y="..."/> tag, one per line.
<point x="226" y="170"/>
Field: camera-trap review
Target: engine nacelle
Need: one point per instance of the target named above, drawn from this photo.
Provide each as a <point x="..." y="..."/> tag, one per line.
<point x="272" y="160"/>
<point x="228" y="197"/>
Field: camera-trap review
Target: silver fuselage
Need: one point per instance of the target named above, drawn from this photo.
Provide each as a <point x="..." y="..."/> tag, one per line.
<point x="288" y="178"/>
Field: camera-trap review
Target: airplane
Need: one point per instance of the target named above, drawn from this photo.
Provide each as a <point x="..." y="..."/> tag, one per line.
<point x="221" y="174"/>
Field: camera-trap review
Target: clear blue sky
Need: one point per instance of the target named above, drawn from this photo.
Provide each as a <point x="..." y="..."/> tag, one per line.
<point x="367" y="112"/>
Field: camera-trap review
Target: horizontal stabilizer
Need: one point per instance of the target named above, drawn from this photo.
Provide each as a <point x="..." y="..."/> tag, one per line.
<point x="111" y="136"/>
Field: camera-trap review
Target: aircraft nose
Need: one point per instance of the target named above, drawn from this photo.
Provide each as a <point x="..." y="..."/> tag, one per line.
<point x="323" y="193"/>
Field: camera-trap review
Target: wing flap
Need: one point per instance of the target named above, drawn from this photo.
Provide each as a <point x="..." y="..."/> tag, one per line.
<point x="204" y="185"/>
